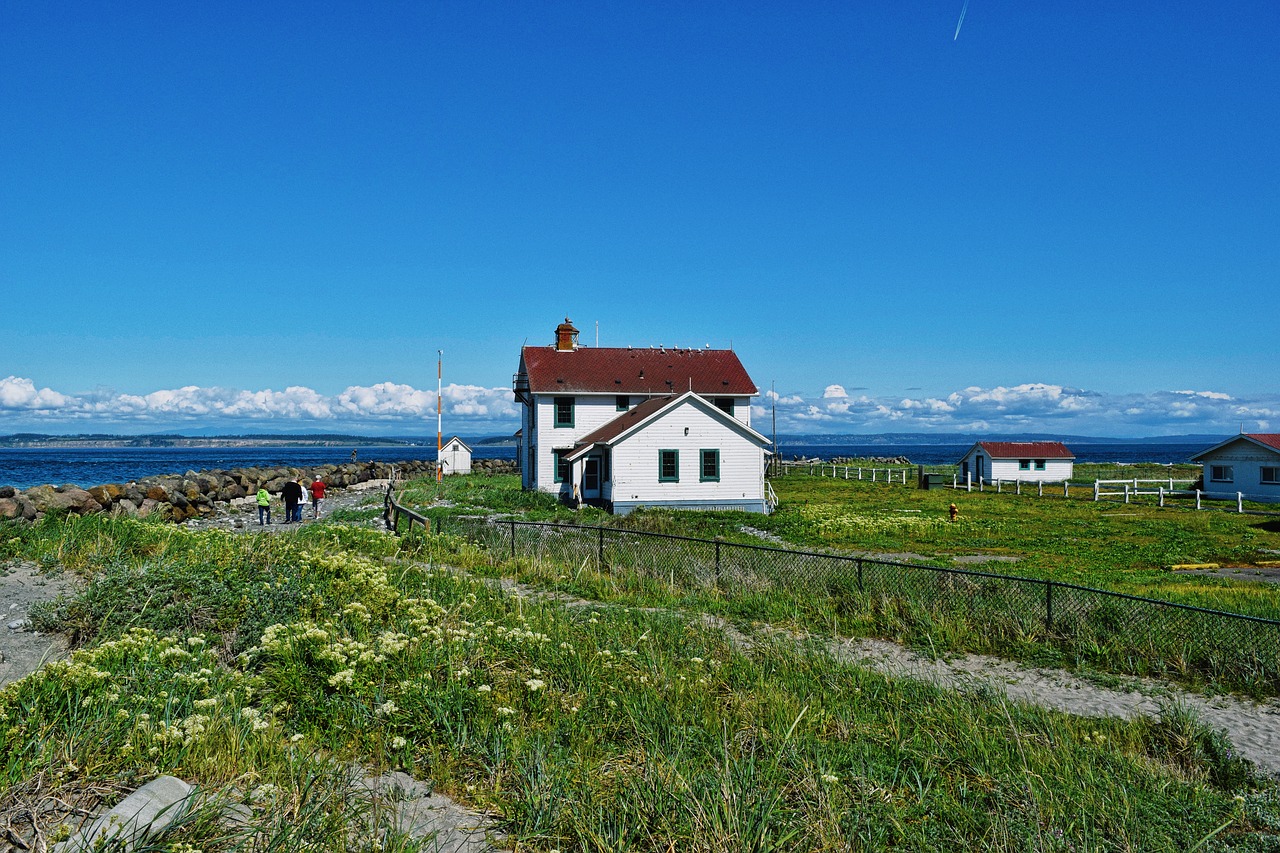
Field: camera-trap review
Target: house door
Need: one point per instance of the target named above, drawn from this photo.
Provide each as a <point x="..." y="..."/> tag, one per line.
<point x="982" y="468"/>
<point x="591" y="479"/>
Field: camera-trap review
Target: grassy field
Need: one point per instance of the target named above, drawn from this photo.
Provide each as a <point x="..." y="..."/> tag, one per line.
<point x="258" y="666"/>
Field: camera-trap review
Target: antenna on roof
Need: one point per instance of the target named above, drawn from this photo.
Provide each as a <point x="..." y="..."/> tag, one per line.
<point x="597" y="334"/>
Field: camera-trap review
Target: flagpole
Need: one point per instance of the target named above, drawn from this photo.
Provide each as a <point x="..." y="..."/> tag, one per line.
<point x="439" y="418"/>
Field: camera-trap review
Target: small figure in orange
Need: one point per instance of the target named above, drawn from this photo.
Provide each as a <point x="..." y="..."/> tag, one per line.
<point x="954" y="512"/>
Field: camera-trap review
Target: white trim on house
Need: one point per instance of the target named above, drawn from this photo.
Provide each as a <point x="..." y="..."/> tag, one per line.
<point x="1028" y="462"/>
<point x="685" y="453"/>
<point x="1241" y="465"/>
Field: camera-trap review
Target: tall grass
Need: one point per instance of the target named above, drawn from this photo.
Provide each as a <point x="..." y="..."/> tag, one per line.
<point x="604" y="727"/>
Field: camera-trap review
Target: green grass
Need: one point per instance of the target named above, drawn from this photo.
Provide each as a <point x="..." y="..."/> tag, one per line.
<point x="257" y="665"/>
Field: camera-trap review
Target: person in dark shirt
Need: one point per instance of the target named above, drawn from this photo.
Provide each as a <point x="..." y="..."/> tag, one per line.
<point x="292" y="494"/>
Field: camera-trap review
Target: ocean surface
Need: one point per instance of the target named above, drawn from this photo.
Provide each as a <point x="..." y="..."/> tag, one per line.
<point x="24" y="467"/>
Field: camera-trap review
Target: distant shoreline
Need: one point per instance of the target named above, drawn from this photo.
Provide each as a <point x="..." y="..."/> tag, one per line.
<point x="88" y="444"/>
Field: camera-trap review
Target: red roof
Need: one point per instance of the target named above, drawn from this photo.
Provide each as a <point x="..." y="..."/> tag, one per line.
<point x="615" y="370"/>
<point x="1026" y="450"/>
<point x="1270" y="439"/>
<point x="625" y="421"/>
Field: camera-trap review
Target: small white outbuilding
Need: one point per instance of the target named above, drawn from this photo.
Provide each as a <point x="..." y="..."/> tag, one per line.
<point x="455" y="457"/>
<point x="1027" y="461"/>
<point x="1247" y="464"/>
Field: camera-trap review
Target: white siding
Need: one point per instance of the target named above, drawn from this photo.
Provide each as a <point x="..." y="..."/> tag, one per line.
<point x="634" y="469"/>
<point x="455" y="459"/>
<point x="1247" y="461"/>
<point x="1055" y="470"/>
<point x="590" y="412"/>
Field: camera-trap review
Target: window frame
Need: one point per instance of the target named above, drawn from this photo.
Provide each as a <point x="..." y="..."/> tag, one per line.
<point x="622" y="402"/>
<point x="703" y="477"/>
<point x="561" y="468"/>
<point x="675" y="464"/>
<point x="558" y="422"/>
<point x="1024" y="464"/>
<point x="1222" y="474"/>
<point x="724" y="404"/>
<point x="1039" y="464"/>
<point x="1273" y="479"/>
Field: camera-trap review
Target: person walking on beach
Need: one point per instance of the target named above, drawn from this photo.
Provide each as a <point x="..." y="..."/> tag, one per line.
<point x="317" y="495"/>
<point x="292" y="494"/>
<point x="264" y="505"/>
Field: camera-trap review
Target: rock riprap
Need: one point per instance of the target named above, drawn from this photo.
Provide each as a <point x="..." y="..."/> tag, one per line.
<point x="179" y="497"/>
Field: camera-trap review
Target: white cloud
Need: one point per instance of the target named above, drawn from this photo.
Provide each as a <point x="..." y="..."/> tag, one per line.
<point x="18" y="393"/>
<point x="390" y="407"/>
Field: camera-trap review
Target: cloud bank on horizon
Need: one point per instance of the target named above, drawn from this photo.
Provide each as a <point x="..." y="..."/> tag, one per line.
<point x="389" y="408"/>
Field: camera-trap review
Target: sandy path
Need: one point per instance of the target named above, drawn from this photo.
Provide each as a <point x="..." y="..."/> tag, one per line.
<point x="1253" y="727"/>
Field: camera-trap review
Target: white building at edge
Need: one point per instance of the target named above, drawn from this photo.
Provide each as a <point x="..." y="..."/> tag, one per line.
<point x="624" y="427"/>
<point x="1247" y="464"/>
<point x="1027" y="461"/>
<point x="455" y="457"/>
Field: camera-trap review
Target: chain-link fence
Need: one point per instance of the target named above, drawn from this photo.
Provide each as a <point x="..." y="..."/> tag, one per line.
<point x="1108" y="630"/>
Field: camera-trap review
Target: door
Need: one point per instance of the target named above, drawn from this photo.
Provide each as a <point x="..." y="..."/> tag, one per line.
<point x="982" y="468"/>
<point x="591" y="479"/>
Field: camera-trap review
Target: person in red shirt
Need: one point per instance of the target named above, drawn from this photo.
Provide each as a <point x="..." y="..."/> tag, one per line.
<point x="317" y="495"/>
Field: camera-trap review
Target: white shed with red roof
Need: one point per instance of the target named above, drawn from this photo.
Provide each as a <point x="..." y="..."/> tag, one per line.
<point x="596" y="426"/>
<point x="1027" y="461"/>
<point x="1248" y="464"/>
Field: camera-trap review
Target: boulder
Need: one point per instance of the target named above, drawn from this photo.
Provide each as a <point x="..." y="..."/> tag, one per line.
<point x="7" y="491"/>
<point x="157" y="493"/>
<point x="9" y="508"/>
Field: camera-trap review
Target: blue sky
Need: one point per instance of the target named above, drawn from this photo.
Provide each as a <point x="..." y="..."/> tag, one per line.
<point x="269" y="217"/>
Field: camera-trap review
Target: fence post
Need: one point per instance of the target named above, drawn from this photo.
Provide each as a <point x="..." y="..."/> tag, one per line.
<point x="1066" y="489"/>
<point x="1040" y="489"/>
<point x="1126" y="492"/>
<point x="861" y="588"/>
<point x="1162" y="496"/>
<point x="873" y="475"/>
<point x="1048" y="605"/>
<point x="859" y="473"/>
<point x="1239" y="501"/>
<point x="955" y="481"/>
<point x="1197" y="498"/>
<point x="999" y="485"/>
<point x="968" y="481"/>
<point x="600" y="550"/>
<point x="1096" y="490"/>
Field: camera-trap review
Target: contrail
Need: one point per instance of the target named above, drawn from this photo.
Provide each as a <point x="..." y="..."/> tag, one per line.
<point x="960" y="23"/>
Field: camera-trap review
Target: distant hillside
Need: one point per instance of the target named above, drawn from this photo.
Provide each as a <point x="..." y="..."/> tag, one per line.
<point x="30" y="439"/>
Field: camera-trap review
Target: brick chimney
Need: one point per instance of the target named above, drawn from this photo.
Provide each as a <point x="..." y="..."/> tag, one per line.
<point x="566" y="337"/>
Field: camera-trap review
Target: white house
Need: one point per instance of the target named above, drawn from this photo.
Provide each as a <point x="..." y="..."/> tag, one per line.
<point x="1248" y="463"/>
<point x="1028" y="461"/>
<point x="621" y="427"/>
<point x="455" y="457"/>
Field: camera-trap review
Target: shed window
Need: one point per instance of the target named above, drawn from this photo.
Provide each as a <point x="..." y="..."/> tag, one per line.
<point x="710" y="467"/>
<point x="623" y="402"/>
<point x="1221" y="474"/>
<point x="668" y="466"/>
<point x="1024" y="464"/>
<point x="1039" y="464"/>
<point x="564" y="411"/>
<point x="1270" y="476"/>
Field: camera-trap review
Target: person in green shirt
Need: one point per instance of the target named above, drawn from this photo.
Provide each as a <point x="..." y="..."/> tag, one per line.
<point x="264" y="505"/>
